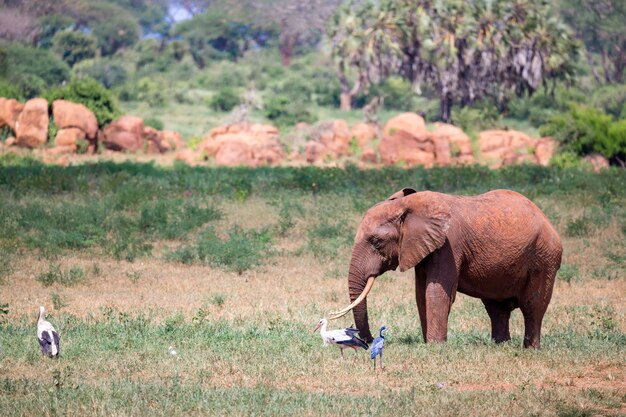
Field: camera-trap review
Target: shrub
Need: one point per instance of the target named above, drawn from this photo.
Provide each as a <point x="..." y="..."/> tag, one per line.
<point x="294" y="87"/>
<point x="240" y="251"/>
<point x="55" y="275"/>
<point x="23" y="60"/>
<point x="583" y="130"/>
<point x="74" y="46"/>
<point x="611" y="99"/>
<point x="50" y="26"/>
<point x="106" y="72"/>
<point x="10" y="90"/>
<point x="152" y="91"/>
<point x="224" y="100"/>
<point x="29" y="85"/>
<point x="153" y="122"/>
<point x="92" y="94"/>
<point x="397" y="92"/>
<point x="284" y="111"/>
<point x="479" y="116"/>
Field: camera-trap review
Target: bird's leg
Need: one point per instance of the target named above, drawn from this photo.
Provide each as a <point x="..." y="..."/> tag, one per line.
<point x="341" y="349"/>
<point x="381" y="360"/>
<point x="374" y="363"/>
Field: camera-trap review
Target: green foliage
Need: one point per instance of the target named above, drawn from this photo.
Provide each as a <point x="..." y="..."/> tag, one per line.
<point x="480" y="116"/>
<point x="55" y="275"/>
<point x="29" y="85"/>
<point x="154" y="122"/>
<point x="92" y="94"/>
<point x="397" y="92"/>
<point x="567" y="160"/>
<point x="585" y="130"/>
<point x="115" y="32"/>
<point x="225" y="99"/>
<point x="51" y="25"/>
<point x="74" y="46"/>
<point x="568" y="272"/>
<point x="327" y="237"/>
<point x="107" y="72"/>
<point x="152" y="91"/>
<point x="611" y="99"/>
<point x="285" y="112"/>
<point x="241" y="250"/>
<point x="10" y="90"/>
<point x="58" y="302"/>
<point x="24" y="61"/>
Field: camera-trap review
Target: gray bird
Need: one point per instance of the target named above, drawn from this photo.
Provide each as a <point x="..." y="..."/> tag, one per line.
<point x="47" y="335"/>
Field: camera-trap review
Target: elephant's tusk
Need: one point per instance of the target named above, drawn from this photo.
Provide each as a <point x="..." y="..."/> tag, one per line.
<point x="366" y="290"/>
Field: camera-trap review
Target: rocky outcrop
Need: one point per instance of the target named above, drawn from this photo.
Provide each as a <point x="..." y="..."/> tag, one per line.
<point x="329" y="140"/>
<point x="458" y="150"/>
<point x="243" y="144"/>
<point x="10" y="109"/>
<point x="406" y="141"/>
<point x="31" y="127"/>
<point x="74" y="115"/>
<point x="500" y="148"/>
<point x="124" y="134"/>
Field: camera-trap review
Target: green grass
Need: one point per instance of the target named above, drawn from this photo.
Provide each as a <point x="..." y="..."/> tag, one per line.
<point x="233" y="268"/>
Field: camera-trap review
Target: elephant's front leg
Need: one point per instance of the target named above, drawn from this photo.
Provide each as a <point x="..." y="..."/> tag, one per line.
<point x="420" y="298"/>
<point x="440" y="291"/>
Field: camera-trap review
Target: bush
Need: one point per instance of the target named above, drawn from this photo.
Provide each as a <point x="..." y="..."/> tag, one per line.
<point x="479" y="116"/>
<point x="153" y="122"/>
<point x="50" y="26"/>
<point x="74" y="46"/>
<point x="583" y="130"/>
<point x="106" y="72"/>
<point x="294" y="87"/>
<point x="611" y="99"/>
<point x="29" y="85"/>
<point x="152" y="91"/>
<point x="10" y="90"/>
<point x="55" y="275"/>
<point x="285" y="112"/>
<point x="224" y="100"/>
<point x="24" y="60"/>
<point x="397" y="92"/>
<point x="92" y="94"/>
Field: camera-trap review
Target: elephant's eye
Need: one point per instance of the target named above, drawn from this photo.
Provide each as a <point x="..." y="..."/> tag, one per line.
<point x="377" y="243"/>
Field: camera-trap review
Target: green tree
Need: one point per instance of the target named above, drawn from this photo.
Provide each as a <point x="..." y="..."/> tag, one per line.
<point x="600" y="25"/>
<point x="74" y="46"/>
<point x="21" y="60"/>
<point x="465" y="51"/>
<point x="50" y="26"/>
<point x="115" y="33"/>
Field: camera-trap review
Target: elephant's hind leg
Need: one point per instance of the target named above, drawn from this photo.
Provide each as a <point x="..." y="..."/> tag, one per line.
<point x="500" y="313"/>
<point x="534" y="303"/>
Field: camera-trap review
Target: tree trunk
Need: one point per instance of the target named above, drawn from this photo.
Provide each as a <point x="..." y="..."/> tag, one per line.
<point x="286" y="49"/>
<point x="592" y="65"/>
<point x="446" y="107"/>
<point x="345" y="101"/>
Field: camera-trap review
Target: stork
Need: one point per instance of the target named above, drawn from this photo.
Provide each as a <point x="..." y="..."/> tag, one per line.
<point x="377" y="347"/>
<point x="343" y="338"/>
<point x="47" y="335"/>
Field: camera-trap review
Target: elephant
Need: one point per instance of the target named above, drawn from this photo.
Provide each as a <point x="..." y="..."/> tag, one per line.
<point x="496" y="246"/>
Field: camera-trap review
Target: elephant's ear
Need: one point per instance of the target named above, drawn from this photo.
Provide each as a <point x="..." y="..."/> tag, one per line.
<point x="402" y="193"/>
<point x="423" y="229"/>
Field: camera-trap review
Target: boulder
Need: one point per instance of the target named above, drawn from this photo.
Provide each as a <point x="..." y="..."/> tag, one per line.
<point x="10" y="109"/>
<point x="31" y="128"/>
<point x="364" y="134"/>
<point x="187" y="156"/>
<point x="67" y="114"/>
<point x="597" y="161"/>
<point x="69" y="137"/>
<point x="507" y="147"/>
<point x="315" y="152"/>
<point x="459" y="143"/>
<point x="124" y="134"/>
<point x="10" y="141"/>
<point x="544" y="150"/>
<point x="243" y="144"/>
<point x="409" y="122"/>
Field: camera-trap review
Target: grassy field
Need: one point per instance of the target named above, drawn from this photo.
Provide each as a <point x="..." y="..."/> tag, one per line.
<point x="234" y="267"/>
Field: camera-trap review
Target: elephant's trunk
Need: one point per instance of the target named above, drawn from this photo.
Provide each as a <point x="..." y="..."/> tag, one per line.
<point x="356" y="285"/>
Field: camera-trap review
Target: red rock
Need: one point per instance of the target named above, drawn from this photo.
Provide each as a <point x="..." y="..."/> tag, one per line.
<point x="544" y="150"/>
<point x="443" y="156"/>
<point x="405" y="147"/>
<point x="171" y="140"/>
<point x="411" y="123"/>
<point x="10" y="141"/>
<point x="31" y="128"/>
<point x="369" y="155"/>
<point x="597" y="161"/>
<point x="10" y="109"/>
<point x="315" y="152"/>
<point x="69" y="136"/>
<point x="234" y="153"/>
<point x="364" y="134"/>
<point x="124" y="134"/>
<point x="67" y="114"/>
<point x="60" y="150"/>
<point x="187" y="156"/>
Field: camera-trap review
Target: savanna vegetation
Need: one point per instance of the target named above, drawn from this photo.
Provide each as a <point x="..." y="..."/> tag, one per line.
<point x="190" y="65"/>
<point x="233" y="267"/>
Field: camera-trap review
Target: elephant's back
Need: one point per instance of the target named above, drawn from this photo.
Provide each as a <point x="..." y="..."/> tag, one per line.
<point x="503" y="234"/>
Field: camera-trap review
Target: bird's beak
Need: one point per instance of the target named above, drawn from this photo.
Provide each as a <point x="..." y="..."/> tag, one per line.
<point x="316" y="327"/>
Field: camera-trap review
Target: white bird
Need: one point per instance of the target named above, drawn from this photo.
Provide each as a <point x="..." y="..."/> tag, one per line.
<point x="172" y="352"/>
<point x="343" y="338"/>
<point x="47" y="335"/>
